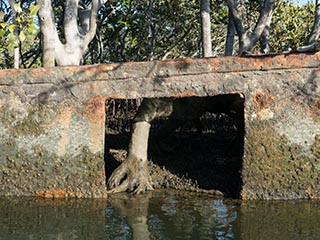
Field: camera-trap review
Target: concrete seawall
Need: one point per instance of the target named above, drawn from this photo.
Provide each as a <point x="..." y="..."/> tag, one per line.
<point x="52" y="128"/>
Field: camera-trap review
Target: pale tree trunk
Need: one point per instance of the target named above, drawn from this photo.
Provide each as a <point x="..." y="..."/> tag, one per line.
<point x="16" y="57"/>
<point x="311" y="45"/>
<point x="79" y="30"/>
<point x="247" y="39"/>
<point x="206" y="28"/>
<point x="49" y="34"/>
<point x="16" y="51"/>
<point x="136" y="209"/>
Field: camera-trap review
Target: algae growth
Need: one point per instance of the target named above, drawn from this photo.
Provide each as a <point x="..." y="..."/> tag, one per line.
<point x="25" y="174"/>
<point x="30" y="121"/>
<point x="275" y="168"/>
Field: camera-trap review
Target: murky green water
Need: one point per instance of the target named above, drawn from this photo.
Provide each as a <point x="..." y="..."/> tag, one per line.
<point x="158" y="216"/>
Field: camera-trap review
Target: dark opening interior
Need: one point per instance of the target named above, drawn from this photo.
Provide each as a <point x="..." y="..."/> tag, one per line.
<point x="204" y="153"/>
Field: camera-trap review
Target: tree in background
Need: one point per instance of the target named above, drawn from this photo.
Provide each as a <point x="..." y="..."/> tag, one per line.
<point x="206" y="28"/>
<point x="290" y="27"/>
<point x="79" y="28"/>
<point x="18" y="33"/>
<point x="248" y="38"/>
<point x="148" y="29"/>
<point x="145" y="30"/>
<point x="311" y="43"/>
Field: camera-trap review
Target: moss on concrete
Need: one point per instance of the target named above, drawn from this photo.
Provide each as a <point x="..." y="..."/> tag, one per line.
<point x="30" y="167"/>
<point x="275" y="168"/>
<point x="32" y="123"/>
<point x="24" y="174"/>
<point x="315" y="148"/>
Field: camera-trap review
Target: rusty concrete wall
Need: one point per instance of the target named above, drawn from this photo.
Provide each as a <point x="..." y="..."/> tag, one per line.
<point x="52" y="120"/>
<point x="52" y="141"/>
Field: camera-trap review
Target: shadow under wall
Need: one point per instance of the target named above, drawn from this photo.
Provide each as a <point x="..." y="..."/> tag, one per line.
<point x="210" y="155"/>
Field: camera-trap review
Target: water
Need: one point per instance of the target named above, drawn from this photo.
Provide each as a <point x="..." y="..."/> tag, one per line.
<point x="158" y="215"/>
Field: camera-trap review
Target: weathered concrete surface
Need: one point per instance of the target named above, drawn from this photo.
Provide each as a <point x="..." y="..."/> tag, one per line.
<point x="52" y="120"/>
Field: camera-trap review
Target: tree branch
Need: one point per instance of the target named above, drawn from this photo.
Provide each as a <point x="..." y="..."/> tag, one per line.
<point x="246" y="39"/>
<point x="50" y="38"/>
<point x="206" y="28"/>
<point x="84" y="14"/>
<point x="312" y="42"/>
<point x="230" y="34"/>
<point x="236" y="17"/>
<point x="312" y="46"/>
<point x="316" y="25"/>
<point x="264" y="19"/>
<point x="70" y="22"/>
<point x="93" y="23"/>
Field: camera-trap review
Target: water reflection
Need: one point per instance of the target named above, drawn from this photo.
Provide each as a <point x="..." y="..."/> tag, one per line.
<point x="279" y="220"/>
<point x="170" y="216"/>
<point x="29" y="218"/>
<point x="158" y="215"/>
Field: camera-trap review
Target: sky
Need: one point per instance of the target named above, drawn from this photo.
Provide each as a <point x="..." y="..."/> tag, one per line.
<point x="302" y="2"/>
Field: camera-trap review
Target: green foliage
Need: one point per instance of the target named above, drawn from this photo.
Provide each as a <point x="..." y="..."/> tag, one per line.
<point x="23" y="24"/>
<point x="146" y="30"/>
<point x="291" y="26"/>
<point x="18" y="30"/>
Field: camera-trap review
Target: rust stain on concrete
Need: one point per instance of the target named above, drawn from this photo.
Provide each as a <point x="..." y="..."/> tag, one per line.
<point x="98" y="182"/>
<point x="59" y="117"/>
<point x="95" y="111"/>
<point x="262" y="62"/>
<point x="115" y="97"/>
<point x="188" y="93"/>
<point x="65" y="137"/>
<point x="262" y="100"/>
<point x="57" y="193"/>
<point x="317" y="105"/>
<point x="9" y="72"/>
<point x="38" y="72"/>
<point x="311" y="193"/>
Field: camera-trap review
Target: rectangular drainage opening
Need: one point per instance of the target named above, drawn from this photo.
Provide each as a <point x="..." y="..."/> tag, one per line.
<point x="199" y="146"/>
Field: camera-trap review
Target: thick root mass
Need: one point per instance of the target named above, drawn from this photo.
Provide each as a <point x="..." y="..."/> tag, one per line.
<point x="131" y="176"/>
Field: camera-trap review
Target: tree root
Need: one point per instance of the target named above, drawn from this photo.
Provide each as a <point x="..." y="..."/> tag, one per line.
<point x="131" y="176"/>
